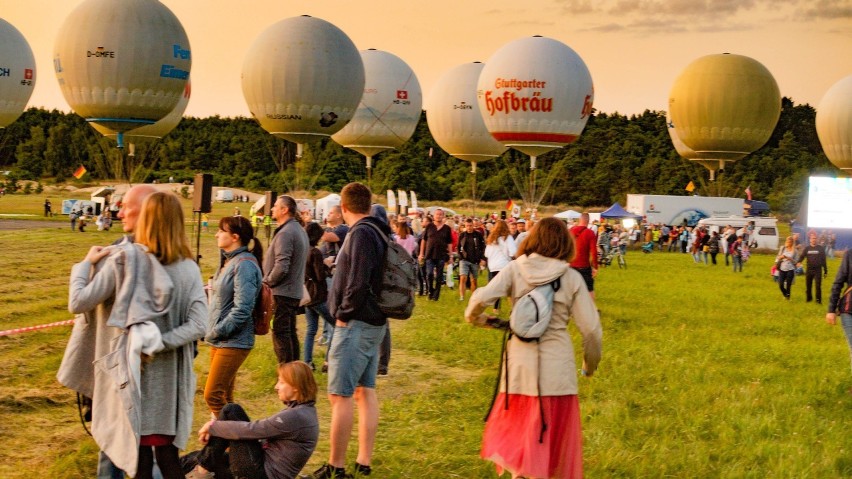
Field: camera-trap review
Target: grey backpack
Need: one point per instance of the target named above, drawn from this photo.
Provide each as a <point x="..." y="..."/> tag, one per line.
<point x="531" y="312"/>
<point x="399" y="280"/>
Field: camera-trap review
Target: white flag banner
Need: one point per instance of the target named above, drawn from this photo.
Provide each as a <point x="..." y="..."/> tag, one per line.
<point x="391" y="201"/>
<point x="402" y="197"/>
<point x="414" y="200"/>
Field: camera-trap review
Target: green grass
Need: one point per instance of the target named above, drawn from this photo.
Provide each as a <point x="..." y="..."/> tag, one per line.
<point x="706" y="373"/>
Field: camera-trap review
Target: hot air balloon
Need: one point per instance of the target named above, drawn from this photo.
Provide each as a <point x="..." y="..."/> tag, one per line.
<point x="535" y="95"/>
<point x="302" y="79"/>
<point x="834" y="124"/>
<point x="454" y="119"/>
<point x="17" y="73"/>
<point x="389" y="110"/>
<point x="154" y="131"/>
<point x="122" y="64"/>
<point x="724" y="107"/>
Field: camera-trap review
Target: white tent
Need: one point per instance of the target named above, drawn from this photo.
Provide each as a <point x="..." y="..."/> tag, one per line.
<point x="325" y="204"/>
<point x="568" y="215"/>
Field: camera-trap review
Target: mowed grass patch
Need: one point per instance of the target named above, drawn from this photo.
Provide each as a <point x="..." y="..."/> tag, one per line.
<point x="706" y="373"/>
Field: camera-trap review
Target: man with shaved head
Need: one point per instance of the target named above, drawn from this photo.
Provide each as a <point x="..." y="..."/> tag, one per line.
<point x="131" y="206"/>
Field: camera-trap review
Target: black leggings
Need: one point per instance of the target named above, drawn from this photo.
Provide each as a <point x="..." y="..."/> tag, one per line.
<point x="228" y="459"/>
<point x="167" y="460"/>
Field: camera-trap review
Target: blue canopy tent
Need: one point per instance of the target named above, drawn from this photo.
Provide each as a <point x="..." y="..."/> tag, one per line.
<point x="617" y="212"/>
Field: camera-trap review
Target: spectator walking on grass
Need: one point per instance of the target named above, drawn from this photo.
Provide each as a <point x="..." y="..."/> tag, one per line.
<point x="359" y="330"/>
<point x="814" y="254"/>
<point x="585" y="261"/>
<point x="786" y="260"/>
<point x="533" y="429"/>
<point x="284" y="272"/>
<point x="500" y="249"/>
<point x="436" y="248"/>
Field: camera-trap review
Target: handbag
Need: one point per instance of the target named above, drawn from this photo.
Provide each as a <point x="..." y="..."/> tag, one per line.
<point x="844" y="306"/>
<point x="306" y="296"/>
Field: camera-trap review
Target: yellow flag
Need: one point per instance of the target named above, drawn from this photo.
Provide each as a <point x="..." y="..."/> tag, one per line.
<point x="690" y="187"/>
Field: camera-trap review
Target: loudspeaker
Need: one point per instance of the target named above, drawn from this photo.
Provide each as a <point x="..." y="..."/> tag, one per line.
<point x="503" y="215"/>
<point x="271" y="198"/>
<point x="202" y="196"/>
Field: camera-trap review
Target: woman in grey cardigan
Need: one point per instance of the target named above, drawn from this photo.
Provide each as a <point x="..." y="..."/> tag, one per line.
<point x="143" y="410"/>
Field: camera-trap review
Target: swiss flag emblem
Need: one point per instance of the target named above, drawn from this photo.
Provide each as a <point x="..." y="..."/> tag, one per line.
<point x="28" y="74"/>
<point x="402" y="95"/>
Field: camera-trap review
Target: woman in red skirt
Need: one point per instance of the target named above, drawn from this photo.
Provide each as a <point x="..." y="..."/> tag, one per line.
<point x="533" y="429"/>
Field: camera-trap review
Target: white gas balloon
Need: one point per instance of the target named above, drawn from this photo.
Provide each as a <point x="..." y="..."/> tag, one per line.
<point x="17" y="73"/>
<point x="834" y="124"/>
<point x="302" y="79"/>
<point x="454" y="119"/>
<point x="389" y="110"/>
<point x="157" y="130"/>
<point x="122" y="64"/>
<point x="535" y="95"/>
<point x="452" y="113"/>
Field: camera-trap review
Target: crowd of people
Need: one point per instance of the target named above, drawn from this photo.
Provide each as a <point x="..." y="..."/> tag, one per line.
<point x="143" y="308"/>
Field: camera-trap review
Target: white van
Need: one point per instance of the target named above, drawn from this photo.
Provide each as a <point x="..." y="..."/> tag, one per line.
<point x="224" y="196"/>
<point x="765" y="229"/>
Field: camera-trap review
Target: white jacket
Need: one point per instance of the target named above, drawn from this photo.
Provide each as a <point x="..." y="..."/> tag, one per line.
<point x="550" y="361"/>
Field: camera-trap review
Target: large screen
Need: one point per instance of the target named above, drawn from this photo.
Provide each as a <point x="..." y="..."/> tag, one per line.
<point x="830" y="202"/>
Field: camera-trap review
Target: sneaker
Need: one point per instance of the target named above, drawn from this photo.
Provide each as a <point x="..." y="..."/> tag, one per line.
<point x="325" y="367"/>
<point x="196" y="474"/>
<point x="327" y="471"/>
<point x="362" y="470"/>
<point x="461" y="298"/>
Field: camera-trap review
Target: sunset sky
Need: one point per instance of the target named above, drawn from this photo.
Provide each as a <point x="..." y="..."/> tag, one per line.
<point x="634" y="48"/>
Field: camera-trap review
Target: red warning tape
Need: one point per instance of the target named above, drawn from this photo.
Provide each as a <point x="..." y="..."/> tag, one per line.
<point x="11" y="332"/>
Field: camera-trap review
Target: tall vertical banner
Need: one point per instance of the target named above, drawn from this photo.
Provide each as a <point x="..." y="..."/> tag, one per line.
<point x="414" y="200"/>
<point x="391" y="202"/>
<point x="402" y="198"/>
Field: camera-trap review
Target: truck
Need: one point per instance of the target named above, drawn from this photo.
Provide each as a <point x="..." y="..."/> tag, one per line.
<point x="677" y="210"/>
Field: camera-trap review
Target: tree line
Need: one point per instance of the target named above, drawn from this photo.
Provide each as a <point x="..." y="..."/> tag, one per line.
<point x="615" y="155"/>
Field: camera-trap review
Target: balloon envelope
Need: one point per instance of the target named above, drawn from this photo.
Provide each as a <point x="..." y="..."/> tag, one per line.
<point x="157" y="130"/>
<point x="122" y="63"/>
<point x="834" y="123"/>
<point x="724" y="107"/>
<point x="302" y="79"/>
<point x="535" y="95"/>
<point x="389" y="109"/>
<point x="17" y="73"/>
<point x="454" y="119"/>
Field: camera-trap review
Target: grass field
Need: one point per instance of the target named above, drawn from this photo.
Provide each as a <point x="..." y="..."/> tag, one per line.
<point x="706" y="373"/>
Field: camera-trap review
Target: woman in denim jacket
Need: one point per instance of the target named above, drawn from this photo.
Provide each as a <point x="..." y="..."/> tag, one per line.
<point x="230" y="326"/>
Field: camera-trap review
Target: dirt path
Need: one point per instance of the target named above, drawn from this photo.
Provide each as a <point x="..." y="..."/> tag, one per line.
<point x="7" y="224"/>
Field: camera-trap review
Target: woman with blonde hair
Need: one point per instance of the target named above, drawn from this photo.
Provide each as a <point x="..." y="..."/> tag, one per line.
<point x="533" y="428"/>
<point x="160" y="306"/>
<point x="786" y="261"/>
<point x="500" y="249"/>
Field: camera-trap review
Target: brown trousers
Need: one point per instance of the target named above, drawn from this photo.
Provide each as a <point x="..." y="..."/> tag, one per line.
<point x="224" y="364"/>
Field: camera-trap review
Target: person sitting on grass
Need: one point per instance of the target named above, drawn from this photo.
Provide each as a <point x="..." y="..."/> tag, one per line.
<point x="232" y="444"/>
